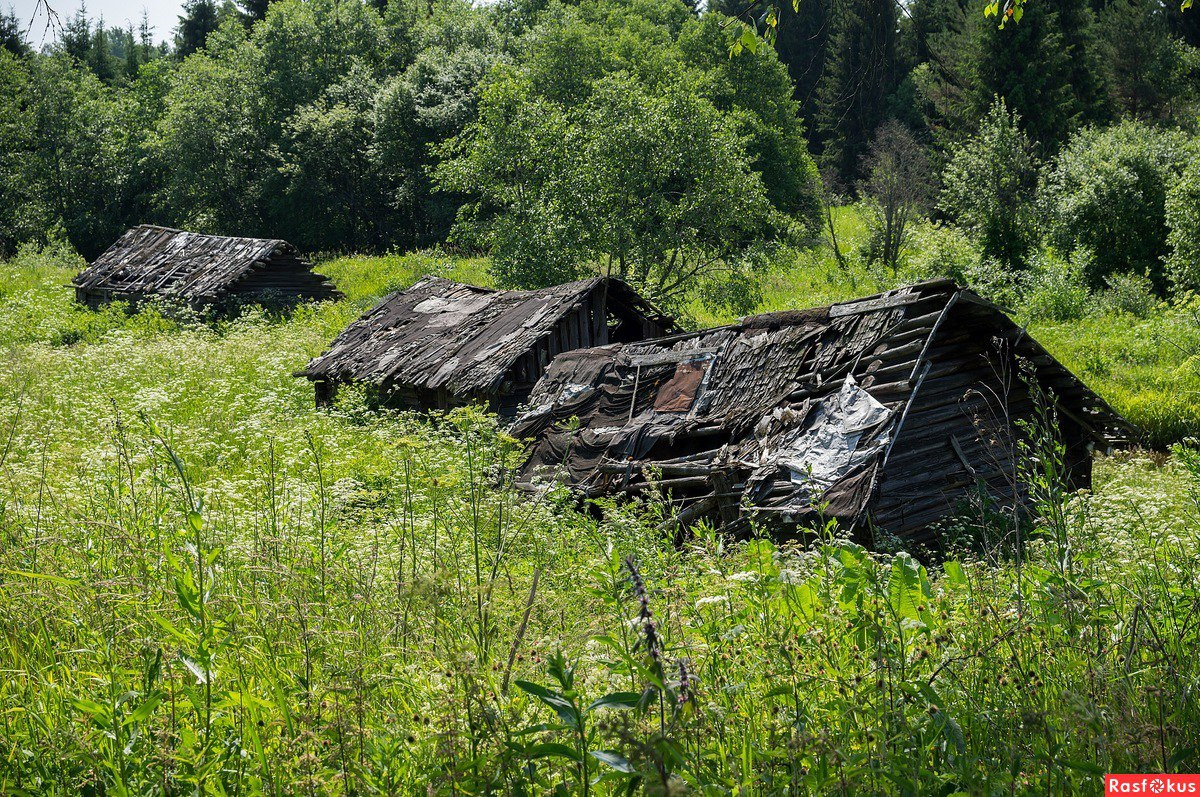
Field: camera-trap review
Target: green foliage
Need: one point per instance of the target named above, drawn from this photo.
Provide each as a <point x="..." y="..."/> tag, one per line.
<point x="1056" y="288"/>
<point x="1131" y="294"/>
<point x="577" y="167"/>
<point x="1106" y="196"/>
<point x="989" y="187"/>
<point x="757" y="93"/>
<point x="1183" y="225"/>
<point x="944" y="251"/>
<point x="1147" y="70"/>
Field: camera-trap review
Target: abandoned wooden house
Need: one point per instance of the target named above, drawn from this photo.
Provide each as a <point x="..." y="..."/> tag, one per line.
<point x="441" y="344"/>
<point x="884" y="413"/>
<point x="199" y="270"/>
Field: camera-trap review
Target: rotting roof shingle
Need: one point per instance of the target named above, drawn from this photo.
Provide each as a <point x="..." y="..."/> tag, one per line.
<point x="196" y="267"/>
<point x="796" y="410"/>
<point x="441" y="334"/>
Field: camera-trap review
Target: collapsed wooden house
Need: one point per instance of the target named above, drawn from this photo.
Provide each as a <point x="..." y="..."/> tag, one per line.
<point x="441" y="344"/>
<point x="883" y="413"/>
<point x="199" y="270"/>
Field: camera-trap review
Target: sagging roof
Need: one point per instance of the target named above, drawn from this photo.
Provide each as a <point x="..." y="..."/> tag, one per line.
<point x="445" y="335"/>
<point x="149" y="260"/>
<point x="786" y="413"/>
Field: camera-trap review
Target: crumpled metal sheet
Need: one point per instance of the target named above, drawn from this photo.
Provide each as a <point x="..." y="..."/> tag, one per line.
<point x="836" y="439"/>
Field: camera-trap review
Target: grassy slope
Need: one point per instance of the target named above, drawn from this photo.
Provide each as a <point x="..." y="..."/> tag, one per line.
<point x="350" y="638"/>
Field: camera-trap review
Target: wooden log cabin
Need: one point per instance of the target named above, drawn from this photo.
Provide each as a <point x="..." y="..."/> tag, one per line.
<point x="200" y="270"/>
<point x="885" y="413"/>
<point x="441" y="344"/>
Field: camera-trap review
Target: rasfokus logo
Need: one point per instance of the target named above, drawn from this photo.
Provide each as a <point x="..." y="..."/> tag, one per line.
<point x="1152" y="784"/>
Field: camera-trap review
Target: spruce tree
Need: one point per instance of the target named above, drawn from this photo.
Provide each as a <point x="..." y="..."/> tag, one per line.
<point x="199" y="19"/>
<point x="1046" y="68"/>
<point x="801" y="43"/>
<point x="132" y="59"/>
<point x="76" y="38"/>
<point x="254" y="10"/>
<point x="100" y="58"/>
<point x="12" y="38"/>
<point x="1146" y="75"/>
<point x="859" y="77"/>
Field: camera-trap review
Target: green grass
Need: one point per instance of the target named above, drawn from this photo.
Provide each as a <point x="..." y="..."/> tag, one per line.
<point x="333" y="602"/>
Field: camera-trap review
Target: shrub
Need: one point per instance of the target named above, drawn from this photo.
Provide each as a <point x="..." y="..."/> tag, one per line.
<point x="1055" y="289"/>
<point x="1183" y="225"/>
<point x="941" y="251"/>
<point x="1131" y="294"/>
<point x="1107" y="194"/>
<point x="989" y="185"/>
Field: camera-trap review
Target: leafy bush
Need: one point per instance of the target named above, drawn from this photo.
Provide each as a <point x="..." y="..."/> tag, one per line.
<point x="1132" y="294"/>
<point x="1107" y="193"/>
<point x="1183" y="225"/>
<point x="989" y="187"/>
<point x="1055" y="288"/>
<point x="636" y="147"/>
<point x="940" y="250"/>
<point x="654" y="187"/>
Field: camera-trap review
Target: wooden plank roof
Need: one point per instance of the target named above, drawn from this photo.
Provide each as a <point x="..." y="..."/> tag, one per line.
<point x="152" y="260"/>
<point x="797" y="408"/>
<point x="441" y="334"/>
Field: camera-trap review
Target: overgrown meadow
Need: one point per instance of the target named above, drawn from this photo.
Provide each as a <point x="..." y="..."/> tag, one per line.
<point x="209" y="587"/>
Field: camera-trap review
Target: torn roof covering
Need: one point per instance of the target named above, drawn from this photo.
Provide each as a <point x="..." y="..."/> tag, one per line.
<point x="441" y="334"/>
<point x="784" y="411"/>
<point x="149" y="259"/>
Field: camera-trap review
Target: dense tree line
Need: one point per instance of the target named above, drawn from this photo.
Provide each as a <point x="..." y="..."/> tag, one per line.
<point x="629" y="135"/>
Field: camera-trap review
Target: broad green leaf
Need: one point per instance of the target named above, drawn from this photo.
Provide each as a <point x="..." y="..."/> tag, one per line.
<point x="143" y="712"/>
<point x="99" y="714"/>
<point x="904" y="586"/>
<point x="554" y="700"/>
<point x="613" y="760"/>
<point x="955" y="573"/>
<point x="552" y="750"/>
<point x="616" y="700"/>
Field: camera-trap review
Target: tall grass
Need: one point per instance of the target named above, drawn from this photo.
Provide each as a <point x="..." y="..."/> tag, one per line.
<point x="209" y="587"/>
